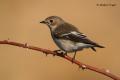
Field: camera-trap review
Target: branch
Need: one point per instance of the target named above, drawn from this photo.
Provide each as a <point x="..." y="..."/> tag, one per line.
<point x="80" y="64"/>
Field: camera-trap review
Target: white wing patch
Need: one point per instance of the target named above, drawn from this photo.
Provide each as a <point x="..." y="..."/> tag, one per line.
<point x="74" y="33"/>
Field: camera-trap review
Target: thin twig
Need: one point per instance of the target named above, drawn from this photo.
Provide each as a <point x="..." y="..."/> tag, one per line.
<point x="80" y="64"/>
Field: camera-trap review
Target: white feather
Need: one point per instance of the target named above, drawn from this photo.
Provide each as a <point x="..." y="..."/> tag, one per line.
<point x="73" y="32"/>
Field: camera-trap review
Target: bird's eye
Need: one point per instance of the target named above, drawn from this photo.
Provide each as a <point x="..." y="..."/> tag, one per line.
<point x="51" y="21"/>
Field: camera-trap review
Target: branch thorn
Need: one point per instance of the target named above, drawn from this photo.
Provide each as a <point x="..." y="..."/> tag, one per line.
<point x="25" y="45"/>
<point x="83" y="67"/>
<point x="107" y="70"/>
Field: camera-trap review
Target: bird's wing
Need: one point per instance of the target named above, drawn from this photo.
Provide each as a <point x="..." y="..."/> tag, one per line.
<point x="76" y="37"/>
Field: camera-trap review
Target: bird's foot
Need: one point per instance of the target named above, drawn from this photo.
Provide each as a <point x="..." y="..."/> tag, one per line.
<point x="60" y="52"/>
<point x="74" y="57"/>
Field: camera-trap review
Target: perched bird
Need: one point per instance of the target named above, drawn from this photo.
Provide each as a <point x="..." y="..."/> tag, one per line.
<point x="67" y="37"/>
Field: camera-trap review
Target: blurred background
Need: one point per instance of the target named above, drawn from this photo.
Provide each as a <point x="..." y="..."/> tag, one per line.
<point x="19" y="21"/>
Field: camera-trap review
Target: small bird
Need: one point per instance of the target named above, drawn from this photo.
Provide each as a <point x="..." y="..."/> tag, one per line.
<point x="67" y="37"/>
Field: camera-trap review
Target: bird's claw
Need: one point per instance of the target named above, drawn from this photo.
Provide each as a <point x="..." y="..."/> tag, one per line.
<point x="73" y="60"/>
<point x="60" y="53"/>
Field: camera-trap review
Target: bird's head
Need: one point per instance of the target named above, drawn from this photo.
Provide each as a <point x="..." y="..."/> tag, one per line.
<point x="53" y="21"/>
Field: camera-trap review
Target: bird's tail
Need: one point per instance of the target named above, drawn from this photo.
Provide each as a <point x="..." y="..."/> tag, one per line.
<point x="93" y="49"/>
<point x="97" y="45"/>
<point x="100" y="46"/>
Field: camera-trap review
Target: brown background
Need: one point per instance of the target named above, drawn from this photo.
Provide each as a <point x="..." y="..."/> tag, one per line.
<point x="19" y="21"/>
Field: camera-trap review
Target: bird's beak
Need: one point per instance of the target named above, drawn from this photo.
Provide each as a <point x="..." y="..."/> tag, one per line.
<point x="43" y="22"/>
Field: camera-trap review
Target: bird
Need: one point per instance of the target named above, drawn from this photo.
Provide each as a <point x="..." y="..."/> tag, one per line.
<point x="67" y="37"/>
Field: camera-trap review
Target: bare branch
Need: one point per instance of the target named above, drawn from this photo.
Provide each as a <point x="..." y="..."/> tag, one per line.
<point x="80" y="64"/>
